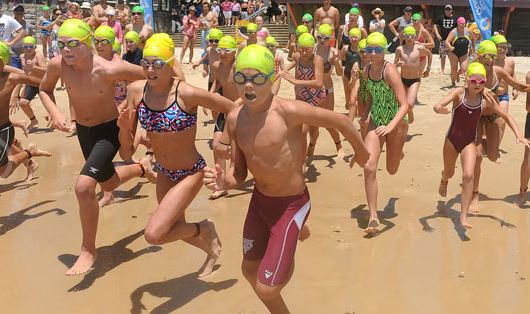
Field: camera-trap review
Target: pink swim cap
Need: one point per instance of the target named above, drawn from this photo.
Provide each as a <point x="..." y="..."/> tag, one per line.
<point x="461" y="20"/>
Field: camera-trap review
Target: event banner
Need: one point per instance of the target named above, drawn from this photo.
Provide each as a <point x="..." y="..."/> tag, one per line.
<point x="483" y="13"/>
<point x="149" y="18"/>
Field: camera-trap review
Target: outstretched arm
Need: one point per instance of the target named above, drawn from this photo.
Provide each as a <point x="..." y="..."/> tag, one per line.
<point x="441" y="106"/>
<point x="47" y="85"/>
<point x="492" y="104"/>
<point x="206" y="99"/>
<point x="511" y="81"/>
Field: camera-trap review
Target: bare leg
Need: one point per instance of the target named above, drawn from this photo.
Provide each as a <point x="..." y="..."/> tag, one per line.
<point x="313" y="137"/>
<point x="347" y="91"/>
<point x="501" y="124"/>
<point x="23" y="125"/>
<point x="442" y="63"/>
<point x="395" y="141"/>
<point x="221" y="162"/>
<point x="25" y="105"/>
<point x="18" y="157"/>
<point x="449" y="157"/>
<point x="168" y="223"/>
<point x="373" y="144"/>
<point x="473" y="207"/>
<point x="329" y="103"/>
<point x="453" y="60"/>
<point x="270" y="296"/>
<point x="468" y="159"/>
<point x="185" y="43"/>
<point x="412" y="97"/>
<point x="192" y="47"/>
<point x="525" y="176"/>
<point x="492" y="141"/>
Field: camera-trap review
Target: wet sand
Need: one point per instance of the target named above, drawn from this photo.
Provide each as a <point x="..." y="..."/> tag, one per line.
<point x="422" y="262"/>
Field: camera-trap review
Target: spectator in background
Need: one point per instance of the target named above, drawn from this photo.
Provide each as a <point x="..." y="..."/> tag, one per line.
<point x="18" y="47"/>
<point x="123" y="13"/>
<point x="175" y="23"/>
<point x="398" y="25"/>
<point x="99" y="12"/>
<point x="307" y="20"/>
<point x="74" y="12"/>
<point x="115" y="24"/>
<point x="251" y="7"/>
<point x="378" y="23"/>
<point x="62" y="5"/>
<point x="226" y="6"/>
<point x="216" y="9"/>
<point x="134" y="53"/>
<point x="244" y="10"/>
<point x="262" y="32"/>
<point x="44" y="20"/>
<point x="282" y="19"/>
<point x="443" y="26"/>
<point x="191" y="23"/>
<point x="236" y="12"/>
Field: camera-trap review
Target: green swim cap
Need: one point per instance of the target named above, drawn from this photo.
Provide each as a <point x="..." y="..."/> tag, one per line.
<point x="116" y="47"/>
<point x="376" y="39"/>
<point x="355" y="32"/>
<point x="416" y="17"/>
<point x="476" y="68"/>
<point x="133" y="36"/>
<point x="325" y="29"/>
<point x="105" y="32"/>
<point x="215" y="33"/>
<point x="227" y="42"/>
<point x="252" y="27"/>
<point x="409" y="30"/>
<point x="487" y="47"/>
<point x="306" y="40"/>
<point x="29" y="40"/>
<point x="138" y="9"/>
<point x="4" y="53"/>
<point x="45" y="8"/>
<point x="301" y="29"/>
<point x="499" y="39"/>
<point x="77" y="29"/>
<point x="362" y="44"/>
<point x="256" y="57"/>
<point x="271" y="41"/>
<point x="308" y="17"/>
<point x="355" y="11"/>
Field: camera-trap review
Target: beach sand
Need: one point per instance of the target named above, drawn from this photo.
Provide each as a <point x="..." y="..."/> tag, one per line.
<point x="422" y="262"/>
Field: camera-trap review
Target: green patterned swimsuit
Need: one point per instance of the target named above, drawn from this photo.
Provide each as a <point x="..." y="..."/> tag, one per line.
<point x="363" y="91"/>
<point x="384" y="103"/>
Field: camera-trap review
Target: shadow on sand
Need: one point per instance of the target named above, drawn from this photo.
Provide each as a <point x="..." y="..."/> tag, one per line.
<point x="179" y="291"/>
<point x="14" y="220"/>
<point x="18" y="185"/>
<point x="445" y="210"/>
<point x="122" y="196"/>
<point x="362" y="216"/>
<point x="109" y="257"/>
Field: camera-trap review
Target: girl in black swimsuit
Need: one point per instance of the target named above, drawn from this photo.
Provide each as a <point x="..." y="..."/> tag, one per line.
<point x="457" y="43"/>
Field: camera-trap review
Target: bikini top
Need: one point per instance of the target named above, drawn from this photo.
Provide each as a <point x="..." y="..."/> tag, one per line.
<point x="171" y="119"/>
<point x="495" y="87"/>
<point x="327" y="64"/>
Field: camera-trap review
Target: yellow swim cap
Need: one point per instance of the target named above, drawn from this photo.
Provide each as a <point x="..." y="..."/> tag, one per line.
<point x="355" y="32"/>
<point x="133" y="36"/>
<point x="159" y="48"/>
<point x="409" y="30"/>
<point x="362" y="44"/>
<point x="29" y="40"/>
<point x="164" y="37"/>
<point x="116" y="47"/>
<point x="252" y="28"/>
<point x="258" y="58"/>
<point x="487" y="47"/>
<point x="376" y="39"/>
<point x="499" y="39"/>
<point x="77" y="29"/>
<point x="301" y="29"/>
<point x="325" y="29"/>
<point x="4" y="53"/>
<point x="105" y="32"/>
<point x="476" y="68"/>
<point x="227" y="42"/>
<point x="306" y="40"/>
<point x="271" y="41"/>
<point x="215" y="33"/>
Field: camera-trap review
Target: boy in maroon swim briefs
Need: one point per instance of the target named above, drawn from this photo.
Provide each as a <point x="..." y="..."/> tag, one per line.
<point x="266" y="138"/>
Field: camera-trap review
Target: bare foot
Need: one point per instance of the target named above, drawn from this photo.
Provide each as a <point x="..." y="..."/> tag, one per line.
<point x="465" y="223"/>
<point x="33" y="123"/>
<point x="442" y="189"/>
<point x="473" y="207"/>
<point x="521" y="198"/>
<point x="304" y="233"/>
<point x="149" y="174"/>
<point x="372" y="226"/>
<point x="213" y="247"/>
<point x="217" y="194"/>
<point x="410" y="117"/>
<point x="107" y="199"/>
<point x="340" y="150"/>
<point x="31" y="168"/>
<point x="83" y="264"/>
<point x="35" y="152"/>
<point x="24" y="125"/>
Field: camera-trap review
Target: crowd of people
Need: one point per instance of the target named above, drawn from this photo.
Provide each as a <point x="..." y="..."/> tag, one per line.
<point x="119" y="74"/>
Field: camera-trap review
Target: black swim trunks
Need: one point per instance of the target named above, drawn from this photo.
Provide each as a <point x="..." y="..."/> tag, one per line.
<point x="527" y="126"/>
<point x="219" y="125"/>
<point x="7" y="134"/>
<point x="30" y="92"/>
<point x="99" y="144"/>
<point x="408" y="82"/>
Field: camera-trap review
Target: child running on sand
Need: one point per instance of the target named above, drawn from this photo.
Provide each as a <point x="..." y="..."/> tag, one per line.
<point x="388" y="105"/>
<point x="468" y="105"/>
<point x="267" y="139"/>
<point x="525" y="165"/>
<point x="407" y="58"/>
